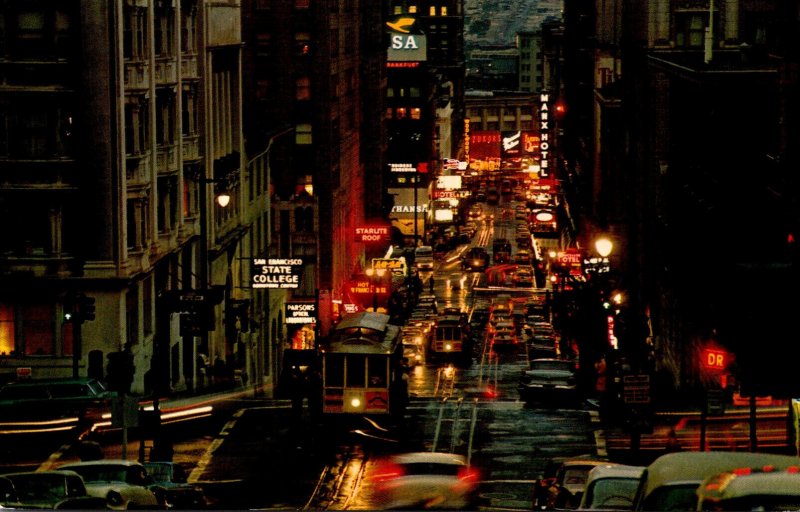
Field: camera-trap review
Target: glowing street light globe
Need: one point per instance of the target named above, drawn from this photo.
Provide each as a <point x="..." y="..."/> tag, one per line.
<point x="604" y="246"/>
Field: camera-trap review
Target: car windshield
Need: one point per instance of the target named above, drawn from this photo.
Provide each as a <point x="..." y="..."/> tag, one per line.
<point x="160" y="472"/>
<point x="563" y="366"/>
<point x="673" y="497"/>
<point x="39" y="486"/>
<point x="111" y="473"/>
<point x="431" y="468"/>
<point x="611" y="493"/>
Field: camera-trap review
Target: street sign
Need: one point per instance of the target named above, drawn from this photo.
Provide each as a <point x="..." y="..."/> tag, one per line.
<point x="715" y="402"/>
<point x="636" y="389"/>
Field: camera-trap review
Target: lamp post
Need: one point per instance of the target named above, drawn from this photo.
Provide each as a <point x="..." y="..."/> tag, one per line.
<point x="222" y="199"/>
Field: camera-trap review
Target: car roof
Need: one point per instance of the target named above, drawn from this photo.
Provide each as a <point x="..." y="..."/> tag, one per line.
<point x="614" y="470"/>
<point x="686" y="467"/>
<point x="731" y="485"/>
<point x="45" y="382"/>
<point x="103" y="462"/>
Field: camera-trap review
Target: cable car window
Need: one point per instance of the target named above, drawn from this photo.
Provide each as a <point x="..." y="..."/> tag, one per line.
<point x="378" y="371"/>
<point x="334" y="371"/>
<point x="356" y="373"/>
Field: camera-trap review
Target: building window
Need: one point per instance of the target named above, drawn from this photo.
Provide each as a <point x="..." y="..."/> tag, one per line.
<point x="147" y="305"/>
<point x="135" y="125"/>
<point x="302" y="44"/>
<point x="334" y="42"/>
<point x="303" y="135"/>
<point x="188" y="30"/>
<point x="302" y="4"/>
<point x="6" y="330"/>
<point x="401" y="113"/>
<point x="690" y="30"/>
<point x="189" y="114"/>
<point x="132" y="316"/>
<point x="432" y="10"/>
<point x="134" y="35"/>
<point x="165" y="117"/>
<point x="164" y="34"/>
<point x="303" y="89"/>
<point x="443" y="10"/>
<point x="416" y="113"/>
<point x="38" y="329"/>
<point x="414" y="92"/>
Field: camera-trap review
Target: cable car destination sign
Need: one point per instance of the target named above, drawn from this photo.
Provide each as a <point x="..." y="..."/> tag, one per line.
<point x="276" y="272"/>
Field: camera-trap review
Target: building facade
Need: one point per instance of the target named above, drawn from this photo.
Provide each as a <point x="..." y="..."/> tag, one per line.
<point x="113" y="116"/>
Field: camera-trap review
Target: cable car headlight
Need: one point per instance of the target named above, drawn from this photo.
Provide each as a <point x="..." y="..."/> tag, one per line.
<point x="355" y="402"/>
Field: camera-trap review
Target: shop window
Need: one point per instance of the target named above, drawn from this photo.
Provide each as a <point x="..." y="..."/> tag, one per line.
<point x="6" y="329"/>
<point x="38" y="329"/>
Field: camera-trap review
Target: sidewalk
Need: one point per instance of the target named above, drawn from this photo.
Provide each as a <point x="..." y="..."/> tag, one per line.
<point x="173" y="409"/>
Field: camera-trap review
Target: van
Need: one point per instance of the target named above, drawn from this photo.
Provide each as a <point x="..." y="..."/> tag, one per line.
<point x="423" y="257"/>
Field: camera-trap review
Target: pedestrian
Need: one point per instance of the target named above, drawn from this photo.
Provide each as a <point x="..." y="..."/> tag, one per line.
<point x="431" y="283"/>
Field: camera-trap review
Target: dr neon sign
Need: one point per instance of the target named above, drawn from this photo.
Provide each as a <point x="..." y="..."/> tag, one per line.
<point x="544" y="134"/>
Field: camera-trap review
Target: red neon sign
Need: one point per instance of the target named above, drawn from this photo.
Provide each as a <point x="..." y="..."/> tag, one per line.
<point x="715" y="359"/>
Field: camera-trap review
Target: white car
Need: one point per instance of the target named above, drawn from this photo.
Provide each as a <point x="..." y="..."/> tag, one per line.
<point x="123" y="483"/>
<point x="423" y="480"/>
<point x="549" y="379"/>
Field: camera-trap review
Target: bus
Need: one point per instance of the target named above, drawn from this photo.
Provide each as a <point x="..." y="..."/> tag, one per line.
<point x="362" y="367"/>
<point x="543" y="223"/>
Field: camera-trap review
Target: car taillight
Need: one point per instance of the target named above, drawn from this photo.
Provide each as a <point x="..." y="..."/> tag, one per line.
<point x="467" y="477"/>
<point x="386" y="471"/>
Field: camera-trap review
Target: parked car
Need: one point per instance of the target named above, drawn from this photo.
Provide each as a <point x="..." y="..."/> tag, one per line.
<point x="760" y="488"/>
<point x="8" y="495"/>
<point x="611" y="487"/>
<point x="50" y="490"/>
<point x="171" y="486"/>
<point x="671" y="481"/>
<point x="569" y="482"/>
<point x="55" y="397"/>
<point x="548" y="379"/>
<point x="423" y="480"/>
<point x="123" y="483"/>
<point x="414" y="353"/>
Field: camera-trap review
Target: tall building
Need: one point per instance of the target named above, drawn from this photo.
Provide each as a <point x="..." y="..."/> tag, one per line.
<point x="315" y="89"/>
<point x="425" y="107"/>
<point x="689" y="171"/>
<point x="117" y="119"/>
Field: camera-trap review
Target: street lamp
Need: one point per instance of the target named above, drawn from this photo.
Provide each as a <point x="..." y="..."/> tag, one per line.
<point x="603" y="246"/>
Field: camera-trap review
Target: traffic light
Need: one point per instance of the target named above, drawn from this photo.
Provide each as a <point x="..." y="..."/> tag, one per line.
<point x="86" y="307"/>
<point x="70" y="309"/>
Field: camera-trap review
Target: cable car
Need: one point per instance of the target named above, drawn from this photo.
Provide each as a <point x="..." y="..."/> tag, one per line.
<point x="362" y="367"/>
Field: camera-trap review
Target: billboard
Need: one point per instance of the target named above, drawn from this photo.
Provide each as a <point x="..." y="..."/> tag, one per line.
<point x="406" y="42"/>
<point x="484" y="150"/>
